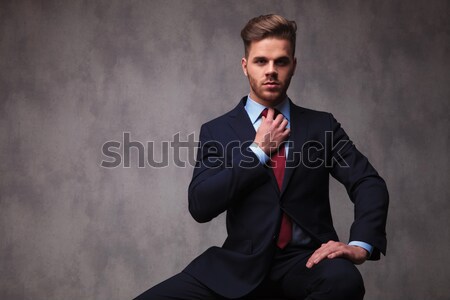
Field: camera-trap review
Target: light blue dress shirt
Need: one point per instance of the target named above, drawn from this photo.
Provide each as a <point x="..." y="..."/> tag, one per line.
<point x="254" y="110"/>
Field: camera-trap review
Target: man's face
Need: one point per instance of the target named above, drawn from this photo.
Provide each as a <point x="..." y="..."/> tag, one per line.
<point x="269" y="67"/>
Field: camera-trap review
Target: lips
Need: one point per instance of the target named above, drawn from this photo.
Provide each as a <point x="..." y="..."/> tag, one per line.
<point x="271" y="84"/>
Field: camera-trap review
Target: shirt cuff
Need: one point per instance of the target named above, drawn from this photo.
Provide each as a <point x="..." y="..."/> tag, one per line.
<point x="262" y="156"/>
<point x="363" y="245"/>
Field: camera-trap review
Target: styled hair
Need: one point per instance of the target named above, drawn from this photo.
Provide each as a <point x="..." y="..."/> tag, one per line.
<point x="267" y="26"/>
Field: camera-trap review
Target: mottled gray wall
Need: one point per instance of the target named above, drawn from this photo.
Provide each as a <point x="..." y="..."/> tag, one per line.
<point x="75" y="74"/>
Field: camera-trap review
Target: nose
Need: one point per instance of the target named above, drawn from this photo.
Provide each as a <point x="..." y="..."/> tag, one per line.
<point x="271" y="69"/>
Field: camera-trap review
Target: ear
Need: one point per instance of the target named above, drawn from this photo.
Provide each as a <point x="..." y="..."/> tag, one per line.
<point x="244" y="66"/>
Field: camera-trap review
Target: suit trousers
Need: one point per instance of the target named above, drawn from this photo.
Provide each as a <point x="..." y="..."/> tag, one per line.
<point x="288" y="278"/>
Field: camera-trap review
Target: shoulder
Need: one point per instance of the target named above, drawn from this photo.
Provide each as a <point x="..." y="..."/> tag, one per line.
<point x="237" y="112"/>
<point x="311" y="115"/>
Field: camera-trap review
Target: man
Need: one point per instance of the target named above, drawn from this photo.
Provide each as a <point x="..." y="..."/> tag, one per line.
<point x="267" y="164"/>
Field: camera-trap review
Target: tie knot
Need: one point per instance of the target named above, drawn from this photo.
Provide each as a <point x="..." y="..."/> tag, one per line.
<point x="264" y="112"/>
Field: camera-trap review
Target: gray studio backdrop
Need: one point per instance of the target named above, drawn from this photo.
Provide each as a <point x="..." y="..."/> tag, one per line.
<point x="77" y="74"/>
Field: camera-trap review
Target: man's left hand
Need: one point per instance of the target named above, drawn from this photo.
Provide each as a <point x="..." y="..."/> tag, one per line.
<point x="332" y="249"/>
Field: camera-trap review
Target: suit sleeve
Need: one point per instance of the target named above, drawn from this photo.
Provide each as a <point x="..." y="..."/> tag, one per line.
<point x="223" y="174"/>
<point x="366" y="189"/>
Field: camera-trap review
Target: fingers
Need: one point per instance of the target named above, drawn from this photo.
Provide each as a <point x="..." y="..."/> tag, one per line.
<point x="316" y="257"/>
<point x="335" y="254"/>
<point x="286" y="133"/>
<point x="329" y="250"/>
<point x="279" y="122"/>
<point x="271" y="116"/>
<point x="272" y="132"/>
<point x="332" y="249"/>
<point x="284" y="122"/>
<point x="283" y="129"/>
<point x="270" y="113"/>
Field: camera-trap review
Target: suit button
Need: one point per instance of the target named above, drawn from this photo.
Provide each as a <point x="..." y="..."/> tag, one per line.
<point x="274" y="237"/>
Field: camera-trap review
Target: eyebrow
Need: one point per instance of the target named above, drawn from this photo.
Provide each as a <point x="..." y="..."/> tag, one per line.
<point x="259" y="57"/>
<point x="278" y="58"/>
<point x="283" y="58"/>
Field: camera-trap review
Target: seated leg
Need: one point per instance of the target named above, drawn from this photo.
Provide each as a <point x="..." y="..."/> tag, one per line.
<point x="179" y="287"/>
<point x="330" y="279"/>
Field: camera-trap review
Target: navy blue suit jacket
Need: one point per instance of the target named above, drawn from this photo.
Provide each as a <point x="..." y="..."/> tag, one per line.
<point x="229" y="177"/>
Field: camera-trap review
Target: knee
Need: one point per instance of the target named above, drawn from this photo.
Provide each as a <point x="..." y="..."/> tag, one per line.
<point x="344" y="281"/>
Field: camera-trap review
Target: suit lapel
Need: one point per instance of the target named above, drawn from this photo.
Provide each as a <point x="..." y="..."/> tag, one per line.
<point x="299" y="134"/>
<point x="241" y="123"/>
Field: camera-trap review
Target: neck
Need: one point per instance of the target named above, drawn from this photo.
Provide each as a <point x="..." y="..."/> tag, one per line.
<point x="268" y="103"/>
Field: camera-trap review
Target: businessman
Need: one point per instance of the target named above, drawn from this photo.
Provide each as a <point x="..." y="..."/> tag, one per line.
<point x="267" y="163"/>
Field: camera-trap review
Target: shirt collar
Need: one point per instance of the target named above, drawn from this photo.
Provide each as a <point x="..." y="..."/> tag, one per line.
<point x="254" y="109"/>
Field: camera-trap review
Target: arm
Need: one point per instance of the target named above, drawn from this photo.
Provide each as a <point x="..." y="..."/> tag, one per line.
<point x="367" y="190"/>
<point x="221" y="176"/>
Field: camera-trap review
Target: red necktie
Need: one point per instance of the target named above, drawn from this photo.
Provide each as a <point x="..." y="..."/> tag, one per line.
<point x="278" y="165"/>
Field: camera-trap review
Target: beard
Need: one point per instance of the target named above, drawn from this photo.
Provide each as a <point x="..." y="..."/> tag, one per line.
<point x="268" y="95"/>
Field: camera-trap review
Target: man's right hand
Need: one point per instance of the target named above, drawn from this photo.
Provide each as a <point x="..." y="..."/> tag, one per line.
<point x="272" y="132"/>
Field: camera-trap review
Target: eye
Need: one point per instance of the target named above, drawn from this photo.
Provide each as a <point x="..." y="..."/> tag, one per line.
<point x="282" y="62"/>
<point x="260" y="61"/>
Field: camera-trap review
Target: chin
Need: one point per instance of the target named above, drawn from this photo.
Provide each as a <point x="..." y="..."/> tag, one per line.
<point x="273" y="97"/>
